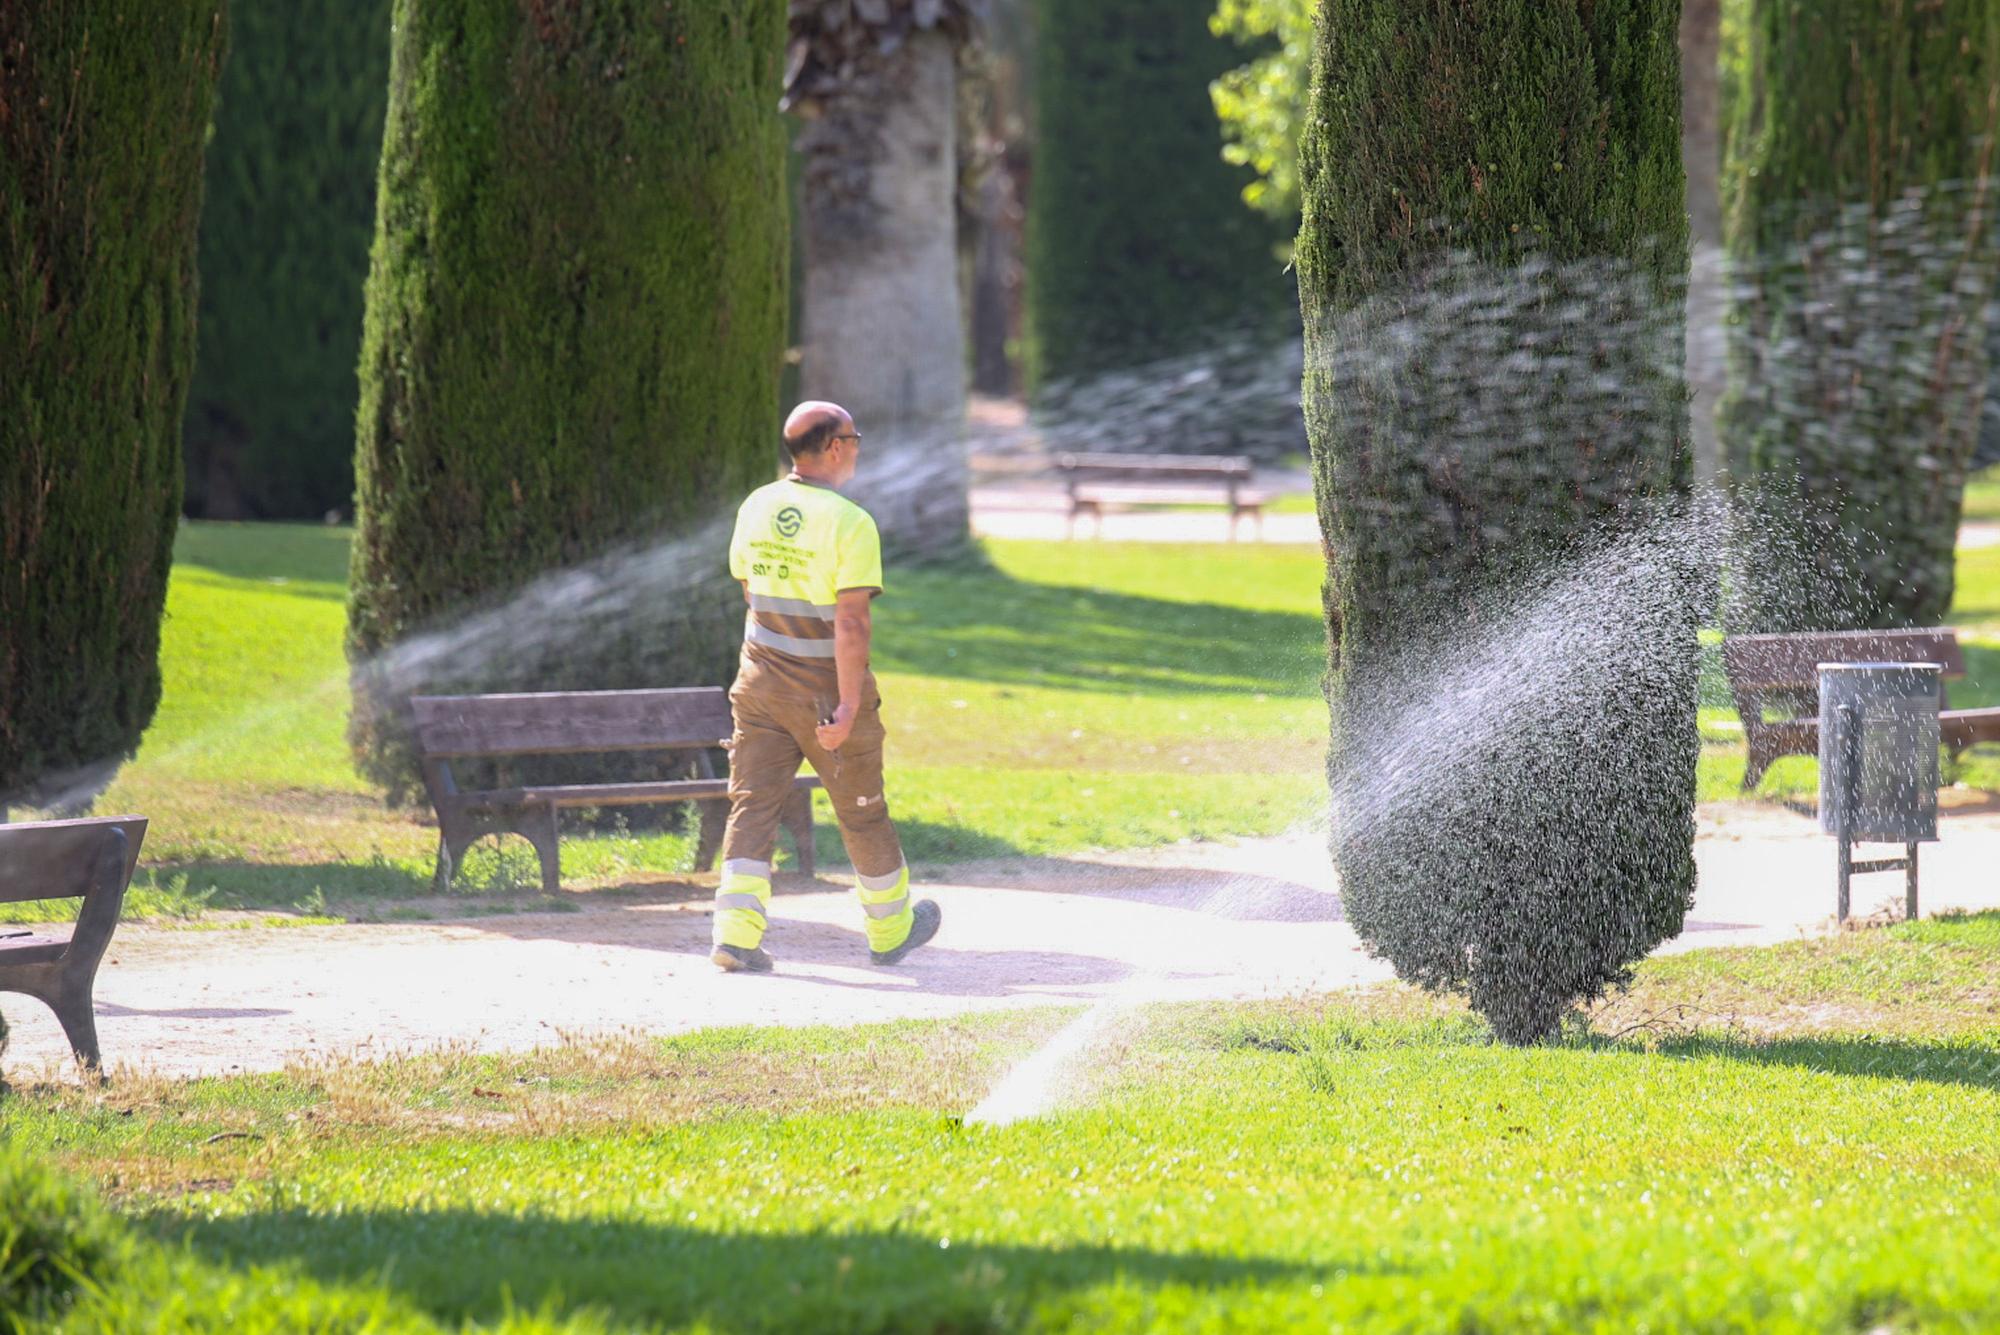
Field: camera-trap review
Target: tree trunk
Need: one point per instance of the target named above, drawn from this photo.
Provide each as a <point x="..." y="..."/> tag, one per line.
<point x="104" y="106"/>
<point x="883" y="334"/>
<point x="1859" y="207"/>
<point x="1701" y="157"/>
<point x="1491" y="270"/>
<point x="575" y="323"/>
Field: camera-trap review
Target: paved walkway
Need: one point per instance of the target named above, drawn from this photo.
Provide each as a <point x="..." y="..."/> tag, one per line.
<point x="1200" y="921"/>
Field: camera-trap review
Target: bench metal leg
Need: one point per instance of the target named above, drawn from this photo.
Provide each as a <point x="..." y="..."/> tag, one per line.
<point x="539" y="829"/>
<point x="1910" y="884"/>
<point x="1846" y="869"/>
<point x="798" y="818"/>
<point x="714" y="823"/>
<point x="66" y="990"/>
<point x="1754" y="767"/>
<point x="459" y="832"/>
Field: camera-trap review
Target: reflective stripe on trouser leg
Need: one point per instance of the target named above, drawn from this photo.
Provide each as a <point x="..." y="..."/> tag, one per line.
<point x="886" y="901"/>
<point x="742" y="903"/>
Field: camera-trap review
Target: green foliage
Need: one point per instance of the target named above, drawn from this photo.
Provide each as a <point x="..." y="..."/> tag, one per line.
<point x="53" y="1238"/>
<point x="103" y="108"/>
<point x="1138" y="245"/>
<point x="1365" y="1161"/>
<point x="1490" y="269"/>
<point x="1262" y="103"/>
<point x="1857" y="201"/>
<point x="284" y="252"/>
<point x="575" y="323"/>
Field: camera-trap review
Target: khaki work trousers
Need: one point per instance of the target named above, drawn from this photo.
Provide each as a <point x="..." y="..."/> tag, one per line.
<point x="775" y="732"/>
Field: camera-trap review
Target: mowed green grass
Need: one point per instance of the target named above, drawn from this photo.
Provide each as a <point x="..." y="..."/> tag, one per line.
<point x="1816" y="1149"/>
<point x="1055" y="698"/>
<point x="1052" y="698"/>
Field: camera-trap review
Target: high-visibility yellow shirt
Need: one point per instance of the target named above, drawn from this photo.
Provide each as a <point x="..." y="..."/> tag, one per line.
<point x="797" y="546"/>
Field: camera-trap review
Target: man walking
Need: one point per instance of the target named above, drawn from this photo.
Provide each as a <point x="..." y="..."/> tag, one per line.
<point x="810" y="562"/>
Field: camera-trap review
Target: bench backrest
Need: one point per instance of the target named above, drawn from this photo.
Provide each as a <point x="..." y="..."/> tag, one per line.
<point x="49" y="859"/>
<point x="1109" y="467"/>
<point x="1787" y="662"/>
<point x="571" y="722"/>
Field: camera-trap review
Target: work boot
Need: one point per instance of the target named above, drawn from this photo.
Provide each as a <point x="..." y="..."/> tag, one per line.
<point x="742" y="959"/>
<point x="924" y="920"/>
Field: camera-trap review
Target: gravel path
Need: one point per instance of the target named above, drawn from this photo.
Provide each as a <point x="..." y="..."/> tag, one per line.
<point x="1198" y="921"/>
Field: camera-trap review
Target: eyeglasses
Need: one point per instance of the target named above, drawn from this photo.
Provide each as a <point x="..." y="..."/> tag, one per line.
<point x="854" y="436"/>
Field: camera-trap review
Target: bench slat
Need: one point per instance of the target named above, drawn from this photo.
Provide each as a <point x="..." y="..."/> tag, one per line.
<point x="571" y="722"/>
<point x="1164" y="494"/>
<point x="1764" y="662"/>
<point x="1156" y="465"/>
<point x="44" y="859"/>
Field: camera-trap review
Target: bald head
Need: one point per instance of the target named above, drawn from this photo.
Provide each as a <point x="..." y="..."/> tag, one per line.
<point x="823" y="443"/>
<point x="812" y="427"/>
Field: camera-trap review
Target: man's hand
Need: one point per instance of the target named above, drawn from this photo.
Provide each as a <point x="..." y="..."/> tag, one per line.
<point x="834" y="733"/>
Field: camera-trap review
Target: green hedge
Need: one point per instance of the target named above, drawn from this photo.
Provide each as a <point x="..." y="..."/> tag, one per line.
<point x="1491" y="271"/>
<point x="284" y="253"/>
<point x="103" y="108"/>
<point x="575" y="324"/>
<point x="1858" y="214"/>
<point x="1139" y="247"/>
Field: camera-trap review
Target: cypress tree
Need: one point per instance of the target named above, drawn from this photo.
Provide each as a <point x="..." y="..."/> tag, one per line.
<point x="1491" y="268"/>
<point x="575" y="324"/>
<point x="103" y="109"/>
<point x="284" y="253"/>
<point x="1858" y="222"/>
<point x="1139" y="248"/>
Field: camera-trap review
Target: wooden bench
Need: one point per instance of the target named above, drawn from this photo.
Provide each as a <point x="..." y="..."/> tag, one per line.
<point x="1779" y="674"/>
<point x="1097" y="480"/>
<point x="91" y="860"/>
<point x="693" y="722"/>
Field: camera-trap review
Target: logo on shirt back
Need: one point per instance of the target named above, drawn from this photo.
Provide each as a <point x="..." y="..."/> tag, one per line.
<point x="788" y="521"/>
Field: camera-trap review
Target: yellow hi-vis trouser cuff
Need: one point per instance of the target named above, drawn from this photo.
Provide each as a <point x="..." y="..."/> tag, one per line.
<point x="742" y="903"/>
<point x="886" y="901"/>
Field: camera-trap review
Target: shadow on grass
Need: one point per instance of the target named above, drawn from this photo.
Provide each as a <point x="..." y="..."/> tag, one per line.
<point x="259" y="885"/>
<point x="980" y="624"/>
<point x="1942" y="1062"/>
<point x="461" y="1266"/>
<point x="305" y="553"/>
<point x="924" y="843"/>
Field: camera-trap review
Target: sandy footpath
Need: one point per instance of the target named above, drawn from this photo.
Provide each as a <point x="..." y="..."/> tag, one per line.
<point x="1252" y="919"/>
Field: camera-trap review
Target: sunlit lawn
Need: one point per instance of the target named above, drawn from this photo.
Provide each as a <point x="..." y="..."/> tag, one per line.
<point x="1800" y="1138"/>
<point x="1060" y="696"/>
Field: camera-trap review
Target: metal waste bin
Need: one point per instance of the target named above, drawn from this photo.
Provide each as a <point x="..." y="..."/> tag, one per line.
<point x="1878" y="764"/>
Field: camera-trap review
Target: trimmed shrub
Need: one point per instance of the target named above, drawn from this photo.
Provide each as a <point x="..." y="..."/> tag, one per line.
<point x="52" y="1236"/>
<point x="284" y="253"/>
<point x="1857" y="215"/>
<point x="575" y="324"/>
<point x="103" y="109"/>
<point x="1139" y="248"/>
<point x="1491" y="270"/>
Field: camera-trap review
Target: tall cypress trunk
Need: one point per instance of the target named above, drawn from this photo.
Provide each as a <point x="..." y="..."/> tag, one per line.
<point x="574" y="330"/>
<point x="104" y="105"/>
<point x="1491" y="270"/>
<point x="1859" y="214"/>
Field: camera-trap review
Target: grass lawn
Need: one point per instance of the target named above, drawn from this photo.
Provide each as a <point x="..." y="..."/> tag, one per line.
<point x="1058" y="697"/>
<point x="1062" y="696"/>
<point x="1803" y="1138"/>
